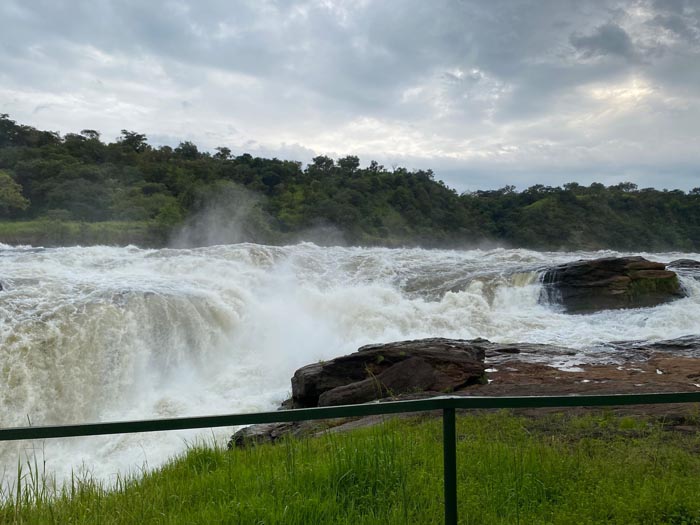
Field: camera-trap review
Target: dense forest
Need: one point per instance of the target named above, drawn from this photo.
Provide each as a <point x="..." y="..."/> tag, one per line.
<point x="56" y="189"/>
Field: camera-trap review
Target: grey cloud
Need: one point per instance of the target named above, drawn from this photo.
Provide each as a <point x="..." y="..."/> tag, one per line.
<point x="607" y="39"/>
<point x="362" y="62"/>
<point x="674" y="6"/>
<point x="682" y="22"/>
<point x="674" y="23"/>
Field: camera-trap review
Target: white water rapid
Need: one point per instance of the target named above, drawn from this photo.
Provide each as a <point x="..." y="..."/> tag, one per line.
<point x="103" y="334"/>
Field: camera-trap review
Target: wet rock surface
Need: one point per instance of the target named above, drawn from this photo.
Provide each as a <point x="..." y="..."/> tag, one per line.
<point x="658" y="373"/>
<point x="588" y="286"/>
<point x="685" y="267"/>
<point x="688" y="345"/>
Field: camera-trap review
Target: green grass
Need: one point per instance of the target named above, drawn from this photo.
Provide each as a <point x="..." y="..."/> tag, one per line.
<point x="594" y="469"/>
<point x="47" y="232"/>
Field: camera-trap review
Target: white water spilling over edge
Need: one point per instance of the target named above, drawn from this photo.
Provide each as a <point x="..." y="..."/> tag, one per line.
<point x="100" y="334"/>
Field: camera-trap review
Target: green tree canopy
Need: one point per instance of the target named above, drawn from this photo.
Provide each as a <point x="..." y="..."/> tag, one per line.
<point x="11" y="198"/>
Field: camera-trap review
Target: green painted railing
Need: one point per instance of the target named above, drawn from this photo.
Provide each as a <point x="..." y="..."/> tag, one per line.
<point x="448" y="405"/>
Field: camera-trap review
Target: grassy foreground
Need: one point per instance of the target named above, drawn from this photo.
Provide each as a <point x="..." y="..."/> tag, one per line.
<point x="591" y="469"/>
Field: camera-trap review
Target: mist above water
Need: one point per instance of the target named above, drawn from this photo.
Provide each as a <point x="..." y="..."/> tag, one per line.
<point x="230" y="214"/>
<point x="98" y="334"/>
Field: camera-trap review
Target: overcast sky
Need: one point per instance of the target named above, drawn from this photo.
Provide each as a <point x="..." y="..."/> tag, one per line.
<point x="486" y="93"/>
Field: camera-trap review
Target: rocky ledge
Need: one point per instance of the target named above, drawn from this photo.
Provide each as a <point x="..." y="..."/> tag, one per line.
<point x="613" y="282"/>
<point x="428" y="367"/>
<point x="377" y="371"/>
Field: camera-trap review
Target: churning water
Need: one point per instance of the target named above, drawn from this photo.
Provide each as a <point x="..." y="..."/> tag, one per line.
<point x="101" y="334"/>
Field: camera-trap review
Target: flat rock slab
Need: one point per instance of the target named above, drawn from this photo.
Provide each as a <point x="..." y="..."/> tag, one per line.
<point x="613" y="282"/>
<point x="658" y="373"/>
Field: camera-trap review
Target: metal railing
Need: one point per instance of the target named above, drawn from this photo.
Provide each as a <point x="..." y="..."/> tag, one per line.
<point x="448" y="405"/>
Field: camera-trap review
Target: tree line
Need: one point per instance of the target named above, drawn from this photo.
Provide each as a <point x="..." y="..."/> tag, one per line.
<point x="78" y="177"/>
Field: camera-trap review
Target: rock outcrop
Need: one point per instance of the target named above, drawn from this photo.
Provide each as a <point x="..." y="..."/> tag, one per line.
<point x="515" y="369"/>
<point x="613" y="282"/>
<point x="263" y="433"/>
<point x="377" y="371"/>
<point x="686" y="267"/>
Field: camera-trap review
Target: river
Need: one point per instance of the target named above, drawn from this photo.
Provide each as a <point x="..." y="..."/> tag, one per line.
<point x="112" y="333"/>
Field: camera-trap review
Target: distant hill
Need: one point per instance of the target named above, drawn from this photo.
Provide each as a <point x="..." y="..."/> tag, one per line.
<point x="185" y="196"/>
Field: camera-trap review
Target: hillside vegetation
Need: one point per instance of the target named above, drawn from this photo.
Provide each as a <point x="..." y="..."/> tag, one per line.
<point x="52" y="185"/>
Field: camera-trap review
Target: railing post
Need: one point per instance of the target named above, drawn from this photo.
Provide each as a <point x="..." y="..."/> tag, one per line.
<point x="449" y="451"/>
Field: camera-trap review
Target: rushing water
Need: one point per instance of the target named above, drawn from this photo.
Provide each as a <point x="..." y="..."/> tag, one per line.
<point x="90" y="334"/>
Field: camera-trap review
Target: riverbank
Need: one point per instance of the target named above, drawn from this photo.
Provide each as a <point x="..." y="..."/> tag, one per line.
<point x="514" y="369"/>
<point x="49" y="232"/>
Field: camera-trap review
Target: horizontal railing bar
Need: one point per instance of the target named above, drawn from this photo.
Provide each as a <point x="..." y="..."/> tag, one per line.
<point x="369" y="409"/>
<point x="575" y="400"/>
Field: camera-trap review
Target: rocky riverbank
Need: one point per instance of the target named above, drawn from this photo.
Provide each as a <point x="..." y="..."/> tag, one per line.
<point x="508" y="370"/>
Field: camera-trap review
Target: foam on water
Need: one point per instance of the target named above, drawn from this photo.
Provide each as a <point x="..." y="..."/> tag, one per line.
<point x="89" y="334"/>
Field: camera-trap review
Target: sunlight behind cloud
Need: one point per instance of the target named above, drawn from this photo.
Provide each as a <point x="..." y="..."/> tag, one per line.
<point x="624" y="95"/>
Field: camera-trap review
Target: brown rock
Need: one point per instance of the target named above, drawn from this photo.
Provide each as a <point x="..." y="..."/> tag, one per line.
<point x="370" y="373"/>
<point x="614" y="282"/>
<point x="262" y="433"/>
<point x="686" y="267"/>
<point x="415" y="374"/>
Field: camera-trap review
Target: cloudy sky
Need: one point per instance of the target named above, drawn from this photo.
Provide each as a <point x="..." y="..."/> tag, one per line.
<point x="486" y="93"/>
